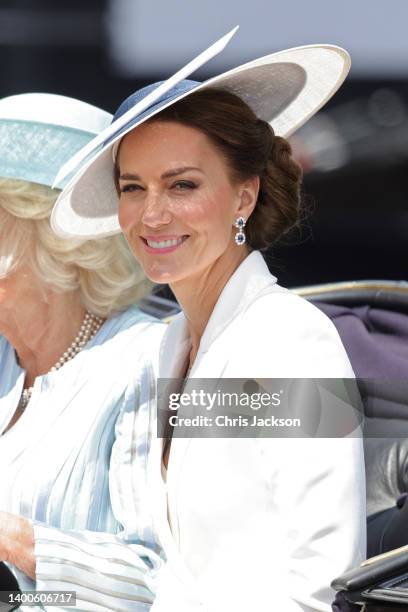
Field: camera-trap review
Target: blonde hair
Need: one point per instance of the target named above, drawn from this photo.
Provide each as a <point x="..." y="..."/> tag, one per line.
<point x="104" y="271"/>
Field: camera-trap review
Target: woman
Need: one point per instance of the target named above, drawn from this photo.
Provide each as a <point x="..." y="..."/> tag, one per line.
<point x="75" y="379"/>
<point x="203" y="185"/>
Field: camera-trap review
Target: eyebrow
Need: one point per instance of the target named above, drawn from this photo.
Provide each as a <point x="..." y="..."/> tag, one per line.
<point x="168" y="174"/>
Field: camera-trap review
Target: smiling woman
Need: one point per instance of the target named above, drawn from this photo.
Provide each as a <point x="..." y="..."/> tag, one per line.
<point x="196" y="205"/>
<point x="203" y="183"/>
<point x="225" y="176"/>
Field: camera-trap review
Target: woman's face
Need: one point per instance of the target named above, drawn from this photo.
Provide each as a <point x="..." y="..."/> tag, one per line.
<point x="178" y="203"/>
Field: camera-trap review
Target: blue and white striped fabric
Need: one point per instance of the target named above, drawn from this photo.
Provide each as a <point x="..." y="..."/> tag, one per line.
<point x="75" y="464"/>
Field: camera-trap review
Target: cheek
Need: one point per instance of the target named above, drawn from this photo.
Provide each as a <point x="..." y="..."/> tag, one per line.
<point x="211" y="212"/>
<point x="216" y="215"/>
<point x="127" y="216"/>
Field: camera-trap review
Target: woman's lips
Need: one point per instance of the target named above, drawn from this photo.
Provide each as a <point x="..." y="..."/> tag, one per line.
<point x="162" y="244"/>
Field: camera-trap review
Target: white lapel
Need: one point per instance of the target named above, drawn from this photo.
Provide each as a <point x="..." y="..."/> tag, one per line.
<point x="174" y="351"/>
<point x="174" y="348"/>
<point x="248" y="282"/>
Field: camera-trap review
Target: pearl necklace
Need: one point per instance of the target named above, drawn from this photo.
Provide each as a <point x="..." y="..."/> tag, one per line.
<point x="90" y="325"/>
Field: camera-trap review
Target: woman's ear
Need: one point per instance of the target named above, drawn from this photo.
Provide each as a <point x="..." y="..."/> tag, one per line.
<point x="248" y="196"/>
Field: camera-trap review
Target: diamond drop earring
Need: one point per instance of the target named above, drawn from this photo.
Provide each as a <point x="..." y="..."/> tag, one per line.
<point x="240" y="235"/>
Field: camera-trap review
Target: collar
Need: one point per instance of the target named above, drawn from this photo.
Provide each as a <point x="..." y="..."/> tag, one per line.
<point x="249" y="280"/>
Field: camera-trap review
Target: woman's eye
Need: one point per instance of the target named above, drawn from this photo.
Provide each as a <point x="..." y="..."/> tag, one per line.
<point x="184" y="185"/>
<point x="130" y="188"/>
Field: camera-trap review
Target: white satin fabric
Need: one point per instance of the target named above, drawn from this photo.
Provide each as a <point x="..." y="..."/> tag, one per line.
<point x="259" y="524"/>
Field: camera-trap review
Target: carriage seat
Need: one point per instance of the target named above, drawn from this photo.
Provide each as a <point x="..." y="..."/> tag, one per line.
<point x="372" y="320"/>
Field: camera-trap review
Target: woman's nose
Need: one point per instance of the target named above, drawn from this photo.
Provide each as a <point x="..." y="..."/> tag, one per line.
<point x="156" y="211"/>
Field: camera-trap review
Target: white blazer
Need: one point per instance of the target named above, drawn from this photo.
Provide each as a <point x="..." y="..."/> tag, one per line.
<point x="258" y="524"/>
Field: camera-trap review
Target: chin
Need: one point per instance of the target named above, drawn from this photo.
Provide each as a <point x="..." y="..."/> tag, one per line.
<point x="165" y="275"/>
<point x="162" y="277"/>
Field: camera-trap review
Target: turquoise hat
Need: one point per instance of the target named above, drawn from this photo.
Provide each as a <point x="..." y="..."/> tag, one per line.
<point x="40" y="132"/>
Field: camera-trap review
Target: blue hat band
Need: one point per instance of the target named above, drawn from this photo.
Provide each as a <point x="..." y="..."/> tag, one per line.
<point x="182" y="88"/>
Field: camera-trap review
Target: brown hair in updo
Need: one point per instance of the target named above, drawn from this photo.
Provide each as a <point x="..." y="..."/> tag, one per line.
<point x="250" y="148"/>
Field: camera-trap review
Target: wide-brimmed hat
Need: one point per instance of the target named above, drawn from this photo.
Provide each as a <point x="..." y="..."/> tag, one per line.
<point x="40" y="132"/>
<point x="285" y="89"/>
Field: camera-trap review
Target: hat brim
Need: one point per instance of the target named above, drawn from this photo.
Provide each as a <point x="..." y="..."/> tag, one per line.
<point x="285" y="89"/>
<point x="34" y="152"/>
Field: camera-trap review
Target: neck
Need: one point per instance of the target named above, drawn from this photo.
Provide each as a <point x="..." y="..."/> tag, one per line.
<point x="199" y="294"/>
<point x="40" y="328"/>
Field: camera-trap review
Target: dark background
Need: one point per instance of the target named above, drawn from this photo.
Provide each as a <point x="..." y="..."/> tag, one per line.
<point x="358" y="213"/>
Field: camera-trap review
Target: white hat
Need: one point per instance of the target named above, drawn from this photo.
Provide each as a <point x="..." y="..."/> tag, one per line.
<point x="39" y="132"/>
<point x="285" y="89"/>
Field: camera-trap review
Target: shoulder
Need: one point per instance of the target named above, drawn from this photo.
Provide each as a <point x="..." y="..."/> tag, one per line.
<point x="282" y="327"/>
<point x="131" y="325"/>
<point x="278" y="308"/>
<point x="133" y="319"/>
<point x="131" y="339"/>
